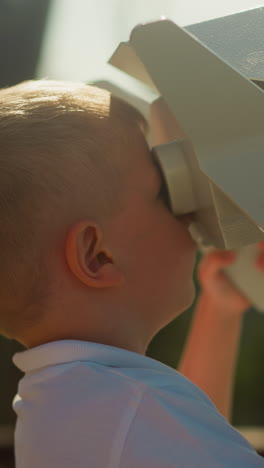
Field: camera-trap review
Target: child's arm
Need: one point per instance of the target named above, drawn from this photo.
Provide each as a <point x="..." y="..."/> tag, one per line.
<point x="210" y="354"/>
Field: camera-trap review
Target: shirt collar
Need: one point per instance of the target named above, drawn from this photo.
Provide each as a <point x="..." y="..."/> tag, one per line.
<point x="63" y="351"/>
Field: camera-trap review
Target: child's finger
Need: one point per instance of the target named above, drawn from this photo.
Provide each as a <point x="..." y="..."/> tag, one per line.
<point x="261" y="246"/>
<point x="260" y="261"/>
<point x="260" y="257"/>
<point x="214" y="262"/>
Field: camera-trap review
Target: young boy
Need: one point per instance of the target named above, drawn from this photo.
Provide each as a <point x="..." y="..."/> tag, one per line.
<point x="93" y="265"/>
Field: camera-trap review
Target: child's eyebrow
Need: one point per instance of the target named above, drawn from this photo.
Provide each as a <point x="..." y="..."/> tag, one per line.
<point x="157" y="179"/>
<point x="157" y="176"/>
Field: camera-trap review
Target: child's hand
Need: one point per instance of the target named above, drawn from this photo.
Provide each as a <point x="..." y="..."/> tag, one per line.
<point x="217" y="287"/>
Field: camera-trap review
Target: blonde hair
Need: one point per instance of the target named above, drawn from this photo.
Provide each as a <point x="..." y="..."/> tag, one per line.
<point x="63" y="149"/>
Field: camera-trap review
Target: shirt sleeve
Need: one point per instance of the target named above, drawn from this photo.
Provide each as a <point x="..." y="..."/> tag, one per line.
<point x="178" y="431"/>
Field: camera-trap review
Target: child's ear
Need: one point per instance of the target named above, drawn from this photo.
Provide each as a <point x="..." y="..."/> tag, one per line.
<point x="87" y="258"/>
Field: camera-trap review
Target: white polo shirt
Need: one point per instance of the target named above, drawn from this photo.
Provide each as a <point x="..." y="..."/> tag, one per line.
<point x="88" y="405"/>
